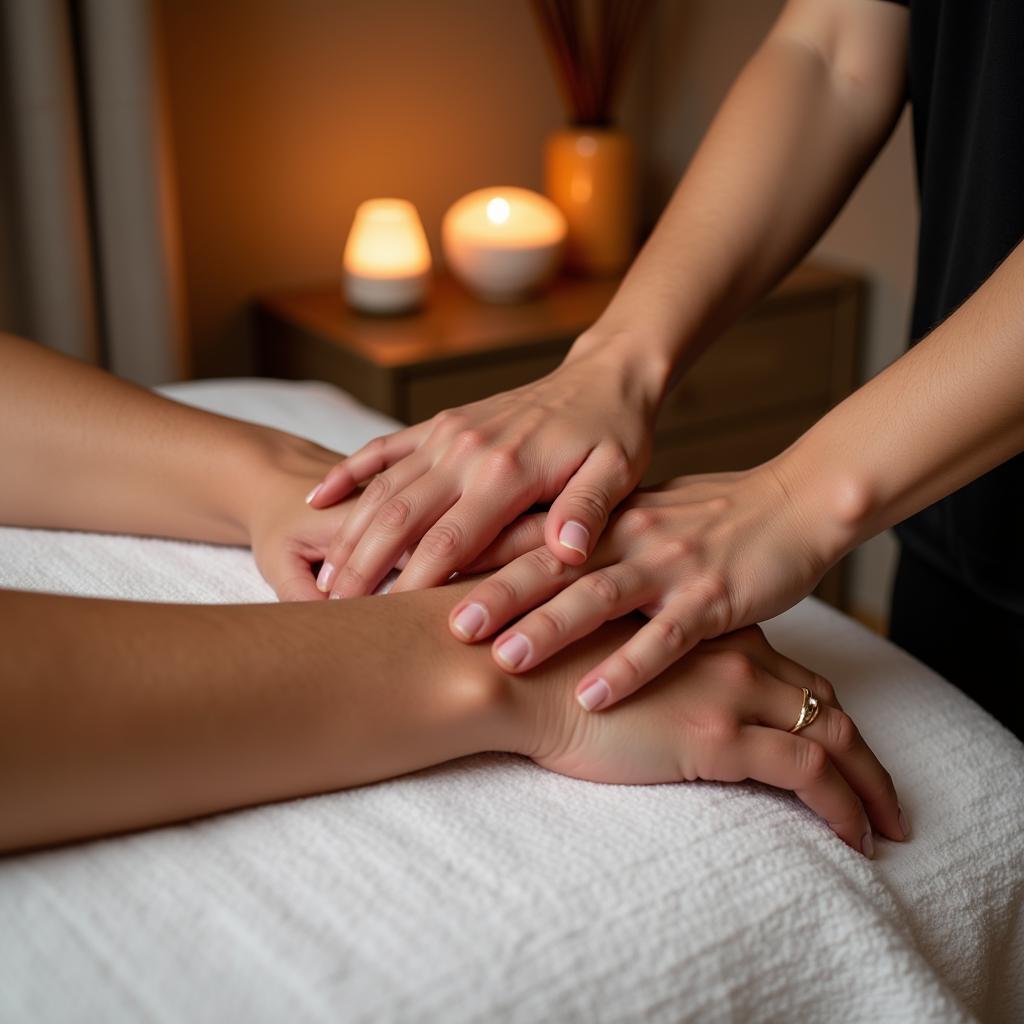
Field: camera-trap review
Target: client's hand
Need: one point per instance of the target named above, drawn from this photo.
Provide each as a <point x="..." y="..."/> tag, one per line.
<point x="287" y="536"/>
<point x="720" y="714"/>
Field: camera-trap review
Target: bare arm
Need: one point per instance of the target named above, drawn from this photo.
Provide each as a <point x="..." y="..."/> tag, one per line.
<point x="120" y="716"/>
<point x="800" y="125"/>
<point x="84" y="450"/>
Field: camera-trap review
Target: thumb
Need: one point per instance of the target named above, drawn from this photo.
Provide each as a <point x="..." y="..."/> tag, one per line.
<point x="291" y="575"/>
<point x="580" y="513"/>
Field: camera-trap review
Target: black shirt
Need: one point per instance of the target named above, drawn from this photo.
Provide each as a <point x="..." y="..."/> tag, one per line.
<point x="967" y="96"/>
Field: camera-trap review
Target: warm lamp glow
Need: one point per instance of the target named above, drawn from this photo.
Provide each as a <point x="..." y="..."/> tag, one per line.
<point x="503" y="243"/>
<point x="498" y="210"/>
<point x="387" y="259"/>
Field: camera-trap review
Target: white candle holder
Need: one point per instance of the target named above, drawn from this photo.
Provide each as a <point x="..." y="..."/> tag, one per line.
<point x="503" y="243"/>
<point x="387" y="259"/>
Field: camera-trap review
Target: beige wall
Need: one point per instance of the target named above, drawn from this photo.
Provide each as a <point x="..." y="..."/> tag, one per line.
<point x="286" y="114"/>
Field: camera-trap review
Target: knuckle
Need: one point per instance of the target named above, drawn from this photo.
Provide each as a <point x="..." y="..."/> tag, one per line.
<point x="637" y="521"/>
<point x="626" y="667"/>
<point x="671" y="634"/>
<point x="378" y="489"/>
<point x="603" y="587"/>
<point x="736" y="669"/>
<point x="497" y="593"/>
<point x="843" y="734"/>
<point x="824" y="689"/>
<point x="395" y="513"/>
<point x="718" y="727"/>
<point x="811" y="761"/>
<point x="503" y="464"/>
<point x="468" y="441"/>
<point x="449" y="421"/>
<point x="679" y="549"/>
<point x="589" y="503"/>
<point x="548" y="622"/>
<point x="348" y="578"/>
<point x="444" y="540"/>
<point x="542" y="561"/>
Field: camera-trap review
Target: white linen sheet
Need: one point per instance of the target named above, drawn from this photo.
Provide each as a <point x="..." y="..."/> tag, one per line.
<point x="490" y="889"/>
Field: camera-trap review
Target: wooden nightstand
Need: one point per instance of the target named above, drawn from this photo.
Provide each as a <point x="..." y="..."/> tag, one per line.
<point x="763" y="383"/>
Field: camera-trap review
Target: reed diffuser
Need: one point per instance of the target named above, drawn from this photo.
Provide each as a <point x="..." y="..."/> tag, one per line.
<point x="589" y="169"/>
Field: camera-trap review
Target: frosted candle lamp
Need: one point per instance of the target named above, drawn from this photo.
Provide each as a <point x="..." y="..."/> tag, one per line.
<point x="387" y="259"/>
<point x="503" y="243"/>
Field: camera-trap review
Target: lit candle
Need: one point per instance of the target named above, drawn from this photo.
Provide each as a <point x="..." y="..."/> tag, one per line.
<point x="387" y="259"/>
<point x="503" y="243"/>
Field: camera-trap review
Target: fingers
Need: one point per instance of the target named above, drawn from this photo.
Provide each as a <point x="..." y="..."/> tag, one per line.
<point x="525" y="534"/>
<point x="460" y="535"/>
<point x="374" y="457"/>
<point x="583" y="606"/>
<point x="401" y="521"/>
<point x="798" y="763"/>
<point x="837" y="733"/>
<point x="579" y="514"/>
<point x="380" y="490"/>
<point x="519" y="586"/>
<point x="656" y="645"/>
<point x="290" y="574"/>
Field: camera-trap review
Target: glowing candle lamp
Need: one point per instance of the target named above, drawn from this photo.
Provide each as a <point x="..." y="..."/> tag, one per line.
<point x="503" y="243"/>
<point x="387" y="259"/>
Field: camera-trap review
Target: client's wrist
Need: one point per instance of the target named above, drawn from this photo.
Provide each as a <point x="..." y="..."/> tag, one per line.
<point x="267" y="466"/>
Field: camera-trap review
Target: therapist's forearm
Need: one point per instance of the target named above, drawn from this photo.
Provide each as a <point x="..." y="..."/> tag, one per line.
<point x="944" y="413"/>
<point x="785" y="150"/>
<point x="81" y="449"/>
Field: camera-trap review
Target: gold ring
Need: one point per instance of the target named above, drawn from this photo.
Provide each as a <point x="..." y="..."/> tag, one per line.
<point x="808" y="711"/>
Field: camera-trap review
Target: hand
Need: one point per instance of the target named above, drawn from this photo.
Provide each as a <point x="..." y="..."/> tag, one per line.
<point x="723" y="714"/>
<point x="700" y="555"/>
<point x="288" y="538"/>
<point x="579" y="437"/>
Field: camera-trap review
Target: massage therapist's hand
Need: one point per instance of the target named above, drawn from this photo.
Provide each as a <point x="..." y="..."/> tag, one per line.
<point x="699" y="555"/>
<point x="722" y="714"/>
<point x="579" y="438"/>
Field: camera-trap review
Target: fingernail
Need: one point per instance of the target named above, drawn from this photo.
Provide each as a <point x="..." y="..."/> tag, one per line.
<point x="313" y="493"/>
<point x="470" y="619"/>
<point x="335" y="597"/>
<point x="575" y="536"/>
<point x="514" y="650"/>
<point x="594" y="695"/>
<point x="326" y="577"/>
<point x="904" y="824"/>
<point x="867" y="845"/>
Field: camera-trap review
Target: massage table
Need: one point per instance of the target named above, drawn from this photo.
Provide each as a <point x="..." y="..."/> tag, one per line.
<point x="489" y="889"/>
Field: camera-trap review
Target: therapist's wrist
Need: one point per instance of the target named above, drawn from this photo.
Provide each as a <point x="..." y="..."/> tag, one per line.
<point x="636" y="358"/>
<point x="831" y="503"/>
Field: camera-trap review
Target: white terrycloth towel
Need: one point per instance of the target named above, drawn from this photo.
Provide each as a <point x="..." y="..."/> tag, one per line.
<point x="489" y="889"/>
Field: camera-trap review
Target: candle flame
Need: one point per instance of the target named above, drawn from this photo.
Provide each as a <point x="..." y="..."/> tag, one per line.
<point x="498" y="210"/>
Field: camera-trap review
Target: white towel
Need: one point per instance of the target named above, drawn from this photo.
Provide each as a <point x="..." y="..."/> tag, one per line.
<point x="489" y="889"/>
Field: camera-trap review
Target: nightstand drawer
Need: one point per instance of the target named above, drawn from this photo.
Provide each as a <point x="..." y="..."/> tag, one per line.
<point x="772" y="360"/>
<point x="424" y="395"/>
<point x="738" y="446"/>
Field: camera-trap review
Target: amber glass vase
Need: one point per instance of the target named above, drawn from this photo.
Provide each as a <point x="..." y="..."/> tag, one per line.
<point x="589" y="174"/>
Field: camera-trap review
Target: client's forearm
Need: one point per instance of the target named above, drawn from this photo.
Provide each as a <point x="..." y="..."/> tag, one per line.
<point x="118" y="715"/>
<point x="84" y="450"/>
